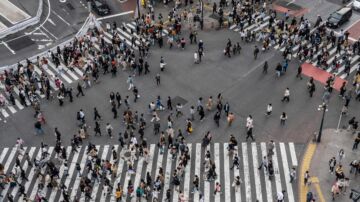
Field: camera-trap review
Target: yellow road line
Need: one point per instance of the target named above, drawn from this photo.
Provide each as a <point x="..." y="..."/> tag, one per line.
<point x="315" y="181"/>
<point x="305" y="165"/>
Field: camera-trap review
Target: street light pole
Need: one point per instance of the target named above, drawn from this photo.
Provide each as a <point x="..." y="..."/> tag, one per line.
<point x="323" y="107"/>
<point x="202" y="14"/>
<point x="138" y="7"/>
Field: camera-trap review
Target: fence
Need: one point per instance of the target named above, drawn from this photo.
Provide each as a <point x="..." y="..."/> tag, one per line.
<point x="24" y="24"/>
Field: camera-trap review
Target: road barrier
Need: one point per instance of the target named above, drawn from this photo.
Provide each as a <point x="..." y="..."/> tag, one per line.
<point x="24" y="24"/>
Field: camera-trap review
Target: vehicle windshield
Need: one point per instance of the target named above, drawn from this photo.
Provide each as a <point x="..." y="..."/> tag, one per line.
<point x="336" y="16"/>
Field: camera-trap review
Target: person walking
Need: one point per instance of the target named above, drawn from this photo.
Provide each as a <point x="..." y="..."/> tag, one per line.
<point x="332" y="164"/>
<point x="130" y="81"/>
<point x="264" y="163"/>
<point x="97" y="129"/>
<point x="80" y="90"/>
<point x="280" y="196"/>
<point x="265" y="68"/>
<point x="292" y="175"/>
<point x="306" y="178"/>
<point x="109" y="130"/>
<point x="283" y="118"/>
<point x="269" y="109"/>
<point x="299" y="71"/>
<point x="217" y="188"/>
<point x="356" y="142"/>
<point x="341" y="155"/>
<point x="236" y="162"/>
<point x="286" y="95"/>
<point x="249" y="134"/>
<point x="217" y="118"/>
<point x="196" y="183"/>
<point x="96" y="114"/>
<point x="230" y="118"/>
<point x="38" y="128"/>
<point x="236" y="183"/>
<point x="157" y="79"/>
<point x="256" y="52"/>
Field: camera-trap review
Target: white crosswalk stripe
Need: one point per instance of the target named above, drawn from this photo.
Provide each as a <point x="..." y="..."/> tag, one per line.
<point x="256" y="27"/>
<point x="67" y="74"/>
<point x="255" y="182"/>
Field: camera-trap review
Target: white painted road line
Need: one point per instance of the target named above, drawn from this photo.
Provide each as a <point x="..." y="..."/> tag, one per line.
<point x="293" y="154"/>
<point x="167" y="173"/>
<point x="115" y="15"/>
<point x="187" y="174"/>
<point x="289" y="189"/>
<point x="269" y="196"/>
<point x="246" y="172"/>
<point x="3" y="154"/>
<point x="217" y="165"/>
<point x="197" y="168"/>
<point x="226" y="174"/>
<point x="207" y="183"/>
<point x="276" y="171"/>
<point x="237" y="173"/>
<point x="256" y="172"/>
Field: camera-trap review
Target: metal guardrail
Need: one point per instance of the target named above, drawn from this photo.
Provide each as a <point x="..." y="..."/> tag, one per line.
<point x="24" y="24"/>
<point x="88" y="22"/>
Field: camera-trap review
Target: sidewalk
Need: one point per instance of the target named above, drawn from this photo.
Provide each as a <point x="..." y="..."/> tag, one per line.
<point x="331" y="143"/>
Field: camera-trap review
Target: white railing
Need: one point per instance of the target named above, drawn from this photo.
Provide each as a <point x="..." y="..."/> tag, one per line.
<point x="90" y="21"/>
<point x="24" y="24"/>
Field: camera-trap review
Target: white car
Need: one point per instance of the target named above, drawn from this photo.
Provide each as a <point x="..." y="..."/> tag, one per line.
<point x="356" y="5"/>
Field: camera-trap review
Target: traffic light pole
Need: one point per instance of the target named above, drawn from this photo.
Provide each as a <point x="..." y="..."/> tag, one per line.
<point x="322" y="122"/>
<point x="202" y="14"/>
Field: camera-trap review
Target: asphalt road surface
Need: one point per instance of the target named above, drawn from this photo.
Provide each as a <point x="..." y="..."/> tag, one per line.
<point x="239" y="79"/>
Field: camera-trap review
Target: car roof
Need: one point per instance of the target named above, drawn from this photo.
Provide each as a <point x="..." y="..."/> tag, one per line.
<point x="344" y="10"/>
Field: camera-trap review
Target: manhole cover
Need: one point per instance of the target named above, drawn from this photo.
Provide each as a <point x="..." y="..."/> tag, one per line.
<point x="179" y="99"/>
<point x="70" y="6"/>
<point x="21" y="43"/>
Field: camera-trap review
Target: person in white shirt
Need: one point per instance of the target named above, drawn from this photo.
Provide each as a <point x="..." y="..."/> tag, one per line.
<point x="280" y="196"/>
<point x="109" y="130"/>
<point x="286" y="95"/>
<point x="249" y="122"/>
<point x="292" y="175"/>
<point x="269" y="109"/>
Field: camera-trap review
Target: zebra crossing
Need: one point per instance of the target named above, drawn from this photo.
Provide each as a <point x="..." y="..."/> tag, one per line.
<point x="63" y="73"/>
<point x="255" y="182"/>
<point x="263" y="21"/>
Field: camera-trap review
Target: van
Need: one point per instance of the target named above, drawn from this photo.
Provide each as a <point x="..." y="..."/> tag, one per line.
<point x="339" y="17"/>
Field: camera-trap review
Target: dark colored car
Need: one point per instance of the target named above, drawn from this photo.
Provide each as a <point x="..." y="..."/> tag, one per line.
<point x="100" y="8"/>
<point x="339" y="17"/>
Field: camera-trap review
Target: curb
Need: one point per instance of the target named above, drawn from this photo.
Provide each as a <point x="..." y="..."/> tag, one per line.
<point x="304" y="166"/>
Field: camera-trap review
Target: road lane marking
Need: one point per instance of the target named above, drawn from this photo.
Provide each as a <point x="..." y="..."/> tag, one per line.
<point x="115" y="15"/>
<point x="51" y="21"/>
<point x="246" y="172"/>
<point x="57" y="15"/>
<point x="293" y="154"/>
<point x="305" y="165"/>
<point x="256" y="172"/>
<point x="289" y="189"/>
<point x="7" y="46"/>
<point x="267" y="182"/>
